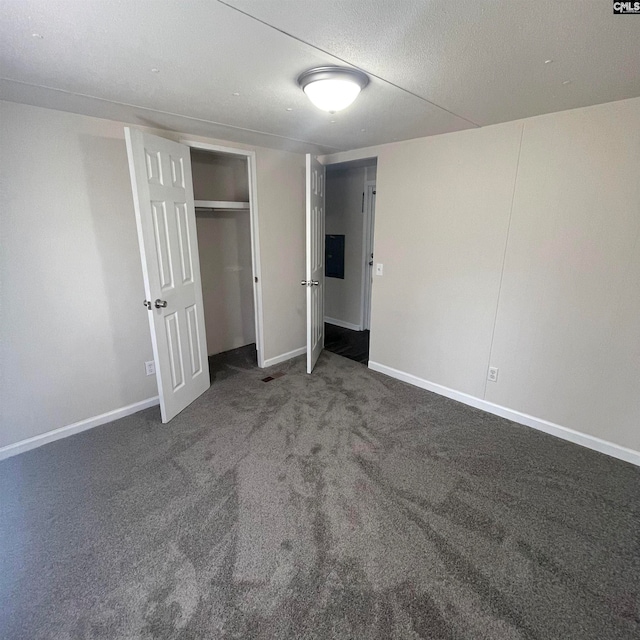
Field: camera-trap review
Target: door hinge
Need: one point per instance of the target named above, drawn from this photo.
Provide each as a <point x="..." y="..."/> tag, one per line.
<point x="255" y="279"/>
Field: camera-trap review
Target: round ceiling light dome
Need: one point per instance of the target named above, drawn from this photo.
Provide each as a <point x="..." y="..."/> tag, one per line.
<point x="332" y="88"/>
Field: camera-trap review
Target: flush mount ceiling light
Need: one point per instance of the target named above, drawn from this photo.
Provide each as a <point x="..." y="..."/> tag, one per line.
<point x="332" y="88"/>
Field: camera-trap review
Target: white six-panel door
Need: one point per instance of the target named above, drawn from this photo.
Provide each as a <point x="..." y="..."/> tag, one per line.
<point x="165" y="216"/>
<point x="315" y="260"/>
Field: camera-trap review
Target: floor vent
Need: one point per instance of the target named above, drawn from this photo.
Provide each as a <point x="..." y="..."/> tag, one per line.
<point x="273" y="376"/>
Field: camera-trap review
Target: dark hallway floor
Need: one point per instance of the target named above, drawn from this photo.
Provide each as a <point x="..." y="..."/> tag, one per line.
<point x="347" y="343"/>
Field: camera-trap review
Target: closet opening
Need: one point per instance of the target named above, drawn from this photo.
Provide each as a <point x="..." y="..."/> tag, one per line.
<point x="226" y="223"/>
<point x="349" y="225"/>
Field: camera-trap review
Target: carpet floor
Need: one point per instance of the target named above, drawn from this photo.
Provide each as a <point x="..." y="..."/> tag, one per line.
<point x="342" y="505"/>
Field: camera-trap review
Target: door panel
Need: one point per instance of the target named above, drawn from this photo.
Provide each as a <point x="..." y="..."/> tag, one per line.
<point x="186" y="260"/>
<point x="161" y="236"/>
<point x="172" y="331"/>
<point x="165" y="216"/>
<point x="194" y="340"/>
<point x="177" y="172"/>
<point x="315" y="260"/>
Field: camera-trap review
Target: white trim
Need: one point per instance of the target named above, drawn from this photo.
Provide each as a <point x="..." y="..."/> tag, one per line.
<point x="591" y="442"/>
<point x="255" y="233"/>
<point x="343" y="324"/>
<point x="205" y="146"/>
<point x="255" y="253"/>
<point x="366" y="283"/>
<point x="76" y="427"/>
<point x="285" y="356"/>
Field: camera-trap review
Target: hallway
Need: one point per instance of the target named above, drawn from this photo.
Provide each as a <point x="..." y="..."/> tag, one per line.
<point x="347" y="343"/>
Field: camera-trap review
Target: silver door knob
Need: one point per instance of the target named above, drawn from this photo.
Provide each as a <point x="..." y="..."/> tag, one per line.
<point x="315" y="283"/>
<point x="160" y="304"/>
<point x="309" y="283"/>
<point x="147" y="303"/>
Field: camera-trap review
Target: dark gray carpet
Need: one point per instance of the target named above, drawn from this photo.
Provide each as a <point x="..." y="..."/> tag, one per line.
<point x="338" y="505"/>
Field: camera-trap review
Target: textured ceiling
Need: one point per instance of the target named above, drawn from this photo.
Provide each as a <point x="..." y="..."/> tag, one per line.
<point x="436" y="66"/>
<point x="481" y="59"/>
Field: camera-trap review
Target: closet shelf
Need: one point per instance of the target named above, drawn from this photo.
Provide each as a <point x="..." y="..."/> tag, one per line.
<point x="220" y="204"/>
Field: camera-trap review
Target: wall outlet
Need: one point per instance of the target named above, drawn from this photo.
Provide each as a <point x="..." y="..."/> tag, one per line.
<point x="493" y="374"/>
<point x="379" y="269"/>
<point x="150" y="367"/>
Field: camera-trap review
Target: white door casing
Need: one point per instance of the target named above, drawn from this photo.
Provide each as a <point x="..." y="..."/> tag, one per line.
<point x="315" y="180"/>
<point x="165" y="217"/>
<point x="255" y="231"/>
<point x="367" y="245"/>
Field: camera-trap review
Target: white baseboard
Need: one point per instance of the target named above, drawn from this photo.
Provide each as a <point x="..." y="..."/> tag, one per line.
<point x="343" y="324"/>
<point x="76" y="427"/>
<point x="283" y="357"/>
<point x="591" y="442"/>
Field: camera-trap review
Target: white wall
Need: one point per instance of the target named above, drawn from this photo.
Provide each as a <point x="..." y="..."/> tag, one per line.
<point x="517" y="246"/>
<point x="74" y="334"/>
<point x="219" y="177"/>
<point x="344" y="216"/>
<point x="73" y="338"/>
<point x="441" y="224"/>
<point x="224" y="245"/>
<point x="281" y="188"/>
<point x="567" y="336"/>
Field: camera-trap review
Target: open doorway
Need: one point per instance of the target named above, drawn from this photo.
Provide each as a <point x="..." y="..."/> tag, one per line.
<point x="221" y="188"/>
<point x="349" y="227"/>
<point x="163" y="196"/>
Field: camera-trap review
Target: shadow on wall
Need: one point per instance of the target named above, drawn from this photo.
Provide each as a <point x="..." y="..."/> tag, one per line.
<point x="224" y="245"/>
<point x="121" y="292"/>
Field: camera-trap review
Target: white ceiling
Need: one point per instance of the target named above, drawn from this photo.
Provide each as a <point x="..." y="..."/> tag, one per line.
<point x="435" y="65"/>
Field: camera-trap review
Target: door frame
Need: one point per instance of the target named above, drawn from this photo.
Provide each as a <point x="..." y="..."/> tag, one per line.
<point x="315" y="200"/>
<point x="368" y="225"/>
<point x="255" y="232"/>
